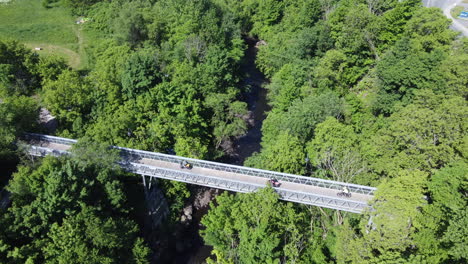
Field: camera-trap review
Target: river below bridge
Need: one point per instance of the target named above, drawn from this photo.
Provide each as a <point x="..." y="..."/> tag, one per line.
<point x="256" y="99"/>
<point x="237" y="152"/>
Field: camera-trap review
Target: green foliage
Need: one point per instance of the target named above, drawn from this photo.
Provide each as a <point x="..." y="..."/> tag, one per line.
<point x="400" y="73"/>
<point x="190" y="147"/>
<point x="425" y="135"/>
<point x="17" y="115"/>
<point x="454" y="74"/>
<point x="335" y="151"/>
<point x="69" y="209"/>
<point x="141" y="72"/>
<point x="86" y="152"/>
<point x="176" y="193"/>
<point x="357" y="32"/>
<point x="130" y="25"/>
<point x="302" y="117"/>
<point x="284" y="155"/>
<point x="225" y="119"/>
<point x="393" y="22"/>
<point x="69" y="97"/>
<point x="17" y="69"/>
<point x="49" y="68"/>
<point x="456" y="236"/>
<point x="442" y="224"/>
<point x="178" y="92"/>
<point x="79" y="6"/>
<point x="89" y="238"/>
<point x="141" y="253"/>
<point x="406" y="69"/>
<point x="286" y="86"/>
<point x="368" y="90"/>
<point x="331" y="72"/>
<point x="387" y="236"/>
<point x="429" y="28"/>
<point x="255" y="228"/>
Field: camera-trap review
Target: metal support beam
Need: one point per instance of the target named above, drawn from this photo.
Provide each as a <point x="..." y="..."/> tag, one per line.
<point x="42" y="145"/>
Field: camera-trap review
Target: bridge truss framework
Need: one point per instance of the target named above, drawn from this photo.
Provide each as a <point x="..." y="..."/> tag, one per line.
<point x="40" y="146"/>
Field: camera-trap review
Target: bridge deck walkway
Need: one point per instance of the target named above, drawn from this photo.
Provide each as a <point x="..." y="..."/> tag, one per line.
<point x="356" y="197"/>
<point x="256" y="180"/>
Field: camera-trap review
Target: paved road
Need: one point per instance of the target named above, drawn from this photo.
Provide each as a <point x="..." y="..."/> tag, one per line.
<point x="446" y="6"/>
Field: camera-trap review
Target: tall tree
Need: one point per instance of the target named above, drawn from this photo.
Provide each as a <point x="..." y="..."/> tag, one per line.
<point x="69" y="97"/>
<point x="256" y="228"/>
<point x="18" y="66"/>
<point x="386" y="234"/>
<point x="17" y="115"/>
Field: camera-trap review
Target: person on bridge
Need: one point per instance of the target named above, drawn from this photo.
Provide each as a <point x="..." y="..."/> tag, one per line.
<point x="274" y="182"/>
<point x="185" y="165"/>
<point x="345" y="190"/>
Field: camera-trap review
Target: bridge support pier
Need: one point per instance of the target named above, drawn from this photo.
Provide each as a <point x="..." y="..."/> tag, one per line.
<point x="156" y="203"/>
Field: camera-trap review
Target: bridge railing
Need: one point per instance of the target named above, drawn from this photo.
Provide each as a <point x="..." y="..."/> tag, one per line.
<point x="239" y="186"/>
<point x="51" y="139"/>
<point x="41" y="151"/>
<point x="250" y="171"/>
<point x="140" y="154"/>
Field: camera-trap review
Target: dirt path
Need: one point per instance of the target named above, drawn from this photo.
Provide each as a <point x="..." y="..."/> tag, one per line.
<point x="79" y="35"/>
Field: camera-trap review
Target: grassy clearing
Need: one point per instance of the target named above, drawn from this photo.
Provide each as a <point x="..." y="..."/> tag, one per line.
<point x="52" y="29"/>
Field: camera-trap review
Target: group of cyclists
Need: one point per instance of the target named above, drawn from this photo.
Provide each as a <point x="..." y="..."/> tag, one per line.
<point x="272" y="182"/>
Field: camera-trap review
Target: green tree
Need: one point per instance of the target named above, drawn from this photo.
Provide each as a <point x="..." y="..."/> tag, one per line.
<point x="425" y="135"/>
<point x="17" y="115"/>
<point x="302" y="117"/>
<point x="17" y="69"/>
<point x="405" y="69"/>
<point x="130" y="26"/>
<point x="386" y="234"/>
<point x="393" y="22"/>
<point x="70" y="210"/>
<point x="442" y="225"/>
<point x="335" y="151"/>
<point x="79" y="7"/>
<point x="191" y="147"/>
<point x="226" y="119"/>
<point x="140" y="74"/>
<point x="454" y="74"/>
<point x="69" y="97"/>
<point x="285" y="154"/>
<point x="286" y="86"/>
<point x="430" y="29"/>
<point x="50" y="68"/>
<point x="89" y="238"/>
<point x="255" y="228"/>
<point x="330" y="72"/>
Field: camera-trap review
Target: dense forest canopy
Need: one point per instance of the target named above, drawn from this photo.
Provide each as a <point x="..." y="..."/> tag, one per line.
<point x="371" y="92"/>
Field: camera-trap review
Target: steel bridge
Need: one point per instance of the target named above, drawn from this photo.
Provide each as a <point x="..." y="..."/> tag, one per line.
<point x="294" y="188"/>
